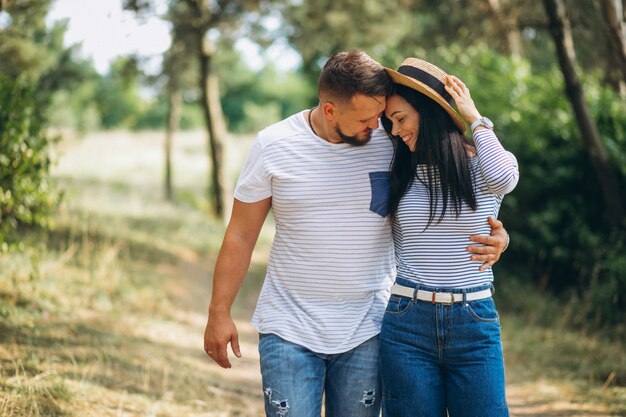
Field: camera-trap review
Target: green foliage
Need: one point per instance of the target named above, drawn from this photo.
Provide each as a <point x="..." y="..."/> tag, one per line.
<point x="117" y="95"/>
<point x="155" y="116"/>
<point x="24" y="43"/>
<point x="253" y="100"/>
<point x="257" y="117"/>
<point x="36" y="54"/>
<point x="318" y="29"/>
<point x="74" y="106"/>
<point x="25" y="192"/>
<point x="75" y="111"/>
<point x="562" y="239"/>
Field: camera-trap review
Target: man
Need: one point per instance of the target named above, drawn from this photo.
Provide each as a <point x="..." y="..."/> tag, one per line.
<point x="324" y="174"/>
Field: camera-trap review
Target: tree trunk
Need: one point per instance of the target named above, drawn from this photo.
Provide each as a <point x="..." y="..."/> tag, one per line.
<point x="220" y="147"/>
<point x="5" y="4"/>
<point x="506" y="22"/>
<point x="173" y="119"/>
<point x="615" y="19"/>
<point x="215" y="124"/>
<point x="561" y="32"/>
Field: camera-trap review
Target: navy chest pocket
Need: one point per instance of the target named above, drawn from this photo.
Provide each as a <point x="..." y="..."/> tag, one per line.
<point x="380" y="184"/>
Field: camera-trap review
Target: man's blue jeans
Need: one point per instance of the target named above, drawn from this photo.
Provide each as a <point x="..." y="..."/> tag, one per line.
<point x="294" y="379"/>
<point x="437" y="357"/>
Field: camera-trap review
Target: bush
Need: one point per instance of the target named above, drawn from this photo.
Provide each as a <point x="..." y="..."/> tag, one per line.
<point x="25" y="192"/>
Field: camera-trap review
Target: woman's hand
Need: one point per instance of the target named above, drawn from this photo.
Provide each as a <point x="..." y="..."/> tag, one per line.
<point x="461" y="95"/>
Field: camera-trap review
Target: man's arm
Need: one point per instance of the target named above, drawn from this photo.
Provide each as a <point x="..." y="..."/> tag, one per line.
<point x="495" y="244"/>
<point x="230" y="270"/>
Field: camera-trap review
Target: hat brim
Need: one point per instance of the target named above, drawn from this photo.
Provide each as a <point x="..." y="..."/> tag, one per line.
<point x="428" y="92"/>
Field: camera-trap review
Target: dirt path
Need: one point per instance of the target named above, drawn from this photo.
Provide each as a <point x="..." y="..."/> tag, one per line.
<point x="236" y="391"/>
<point x="542" y="399"/>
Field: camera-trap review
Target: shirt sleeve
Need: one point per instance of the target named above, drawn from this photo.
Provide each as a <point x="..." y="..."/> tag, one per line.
<point x="497" y="166"/>
<point x="253" y="184"/>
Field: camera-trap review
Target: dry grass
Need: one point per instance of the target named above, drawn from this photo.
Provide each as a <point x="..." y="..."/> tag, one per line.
<point x="553" y="371"/>
<point x="103" y="316"/>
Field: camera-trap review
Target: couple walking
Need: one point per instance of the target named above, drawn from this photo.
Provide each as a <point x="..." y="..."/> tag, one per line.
<point x="378" y="286"/>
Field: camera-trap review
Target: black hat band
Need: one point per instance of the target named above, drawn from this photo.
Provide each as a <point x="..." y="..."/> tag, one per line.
<point x="427" y="79"/>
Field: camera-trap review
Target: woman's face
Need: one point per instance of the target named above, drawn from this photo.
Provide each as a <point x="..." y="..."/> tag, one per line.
<point x="405" y="119"/>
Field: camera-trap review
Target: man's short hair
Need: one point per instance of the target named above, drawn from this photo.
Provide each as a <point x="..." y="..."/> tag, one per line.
<point x="346" y="74"/>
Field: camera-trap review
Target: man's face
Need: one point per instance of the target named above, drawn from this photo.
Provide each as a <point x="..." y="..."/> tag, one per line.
<point x="355" y="121"/>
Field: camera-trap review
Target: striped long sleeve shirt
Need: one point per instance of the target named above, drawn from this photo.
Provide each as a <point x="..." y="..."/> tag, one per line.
<point x="436" y="256"/>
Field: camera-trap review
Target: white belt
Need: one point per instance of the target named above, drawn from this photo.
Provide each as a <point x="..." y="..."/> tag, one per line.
<point x="439" y="297"/>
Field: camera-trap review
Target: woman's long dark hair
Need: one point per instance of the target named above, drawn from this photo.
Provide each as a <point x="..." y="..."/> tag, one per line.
<point x="442" y="150"/>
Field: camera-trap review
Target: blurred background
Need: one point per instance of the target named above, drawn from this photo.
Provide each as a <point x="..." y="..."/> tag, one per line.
<point x="123" y="125"/>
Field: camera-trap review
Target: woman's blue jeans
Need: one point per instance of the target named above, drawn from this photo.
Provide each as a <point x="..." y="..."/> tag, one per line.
<point x="438" y="358"/>
<point x="294" y="379"/>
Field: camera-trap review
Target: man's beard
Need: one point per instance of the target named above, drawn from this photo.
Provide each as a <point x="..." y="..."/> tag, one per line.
<point x="352" y="140"/>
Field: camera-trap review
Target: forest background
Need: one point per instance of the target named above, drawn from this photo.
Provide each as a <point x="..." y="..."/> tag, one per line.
<point x="108" y="178"/>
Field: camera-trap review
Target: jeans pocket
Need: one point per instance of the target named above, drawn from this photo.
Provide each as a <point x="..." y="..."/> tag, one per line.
<point x="380" y="184"/>
<point x="398" y="305"/>
<point x="483" y="310"/>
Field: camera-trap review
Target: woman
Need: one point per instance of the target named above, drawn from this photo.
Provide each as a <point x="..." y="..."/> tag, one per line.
<point x="440" y="340"/>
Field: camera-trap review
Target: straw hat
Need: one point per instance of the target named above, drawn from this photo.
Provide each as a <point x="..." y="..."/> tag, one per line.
<point x="429" y="80"/>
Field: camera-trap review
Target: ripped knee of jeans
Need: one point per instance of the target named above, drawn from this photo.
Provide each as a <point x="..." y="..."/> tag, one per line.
<point x="369" y="398"/>
<point x="281" y="406"/>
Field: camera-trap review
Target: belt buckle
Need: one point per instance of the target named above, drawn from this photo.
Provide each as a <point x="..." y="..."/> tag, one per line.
<point x="445" y="303"/>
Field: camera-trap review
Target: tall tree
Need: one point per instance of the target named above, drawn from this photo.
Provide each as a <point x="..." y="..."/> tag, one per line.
<point x="201" y="22"/>
<point x="175" y="76"/>
<point x="178" y="72"/>
<point x="174" y="104"/>
<point x="5" y="4"/>
<point x="505" y="15"/>
<point x="614" y="13"/>
<point x="222" y="16"/>
<point x="561" y="33"/>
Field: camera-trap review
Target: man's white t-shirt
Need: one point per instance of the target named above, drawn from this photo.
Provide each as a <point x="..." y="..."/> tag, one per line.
<point x="331" y="262"/>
